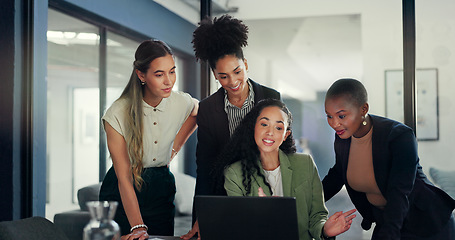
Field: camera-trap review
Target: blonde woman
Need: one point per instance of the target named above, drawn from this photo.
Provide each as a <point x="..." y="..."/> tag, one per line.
<point x="145" y="129"/>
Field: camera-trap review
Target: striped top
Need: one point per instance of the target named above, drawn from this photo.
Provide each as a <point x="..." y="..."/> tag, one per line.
<point x="235" y="114"/>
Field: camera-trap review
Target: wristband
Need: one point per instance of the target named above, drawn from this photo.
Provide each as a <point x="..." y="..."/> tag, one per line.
<point x="139" y="226"/>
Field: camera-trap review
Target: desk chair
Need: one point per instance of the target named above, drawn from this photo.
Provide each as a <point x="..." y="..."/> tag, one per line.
<point x="37" y="228"/>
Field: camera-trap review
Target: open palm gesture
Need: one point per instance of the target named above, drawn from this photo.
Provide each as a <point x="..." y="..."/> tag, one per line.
<point x="338" y="223"/>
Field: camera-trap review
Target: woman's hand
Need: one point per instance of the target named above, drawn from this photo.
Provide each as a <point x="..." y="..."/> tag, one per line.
<point x="192" y="232"/>
<point x="261" y="192"/>
<point x="338" y="223"/>
<point x="140" y="234"/>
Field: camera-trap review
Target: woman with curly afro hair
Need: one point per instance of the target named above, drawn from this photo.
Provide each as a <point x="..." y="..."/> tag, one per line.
<point x="219" y="42"/>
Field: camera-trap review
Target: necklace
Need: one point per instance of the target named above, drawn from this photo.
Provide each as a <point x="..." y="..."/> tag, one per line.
<point x="240" y="100"/>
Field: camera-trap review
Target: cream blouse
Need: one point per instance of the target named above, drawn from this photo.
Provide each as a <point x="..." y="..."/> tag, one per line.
<point x="161" y="125"/>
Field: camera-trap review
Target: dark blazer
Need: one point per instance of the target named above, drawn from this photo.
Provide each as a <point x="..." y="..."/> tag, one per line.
<point x="213" y="133"/>
<point x="414" y="204"/>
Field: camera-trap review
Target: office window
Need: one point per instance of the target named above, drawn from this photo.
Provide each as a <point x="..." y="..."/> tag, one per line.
<point x="72" y="117"/>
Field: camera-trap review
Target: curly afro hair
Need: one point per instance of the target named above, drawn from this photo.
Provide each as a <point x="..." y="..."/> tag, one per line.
<point x="222" y="36"/>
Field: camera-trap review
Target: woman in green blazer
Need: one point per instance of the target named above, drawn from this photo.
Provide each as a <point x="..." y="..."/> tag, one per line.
<point x="260" y="160"/>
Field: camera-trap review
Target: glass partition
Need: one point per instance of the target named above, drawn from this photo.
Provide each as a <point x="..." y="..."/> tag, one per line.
<point x="72" y="117"/>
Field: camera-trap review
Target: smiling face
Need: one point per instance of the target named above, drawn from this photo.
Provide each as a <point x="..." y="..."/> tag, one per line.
<point x="345" y="116"/>
<point x="231" y="73"/>
<point x="159" y="79"/>
<point x="271" y="130"/>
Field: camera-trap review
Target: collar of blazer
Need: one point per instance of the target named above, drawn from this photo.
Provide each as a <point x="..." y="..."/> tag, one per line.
<point x="258" y="94"/>
<point x="286" y="175"/>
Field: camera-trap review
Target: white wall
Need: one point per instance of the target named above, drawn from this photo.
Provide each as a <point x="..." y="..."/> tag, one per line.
<point x="381" y="49"/>
<point x="381" y="35"/>
<point x="435" y="49"/>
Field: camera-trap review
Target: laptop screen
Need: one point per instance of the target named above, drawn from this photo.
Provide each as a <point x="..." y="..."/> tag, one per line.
<point x="223" y="217"/>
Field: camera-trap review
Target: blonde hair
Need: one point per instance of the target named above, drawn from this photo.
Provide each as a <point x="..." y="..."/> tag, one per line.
<point x="133" y="93"/>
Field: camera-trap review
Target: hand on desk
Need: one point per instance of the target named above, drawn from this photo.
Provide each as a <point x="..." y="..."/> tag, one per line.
<point x="139" y="234"/>
<point x="338" y="223"/>
<point x="192" y="232"/>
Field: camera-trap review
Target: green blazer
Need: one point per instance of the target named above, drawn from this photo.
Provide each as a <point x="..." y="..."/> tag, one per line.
<point x="300" y="180"/>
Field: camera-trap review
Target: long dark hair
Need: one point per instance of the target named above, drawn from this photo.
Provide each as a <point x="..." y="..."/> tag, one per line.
<point x="146" y="52"/>
<point x="242" y="147"/>
<point x="215" y="39"/>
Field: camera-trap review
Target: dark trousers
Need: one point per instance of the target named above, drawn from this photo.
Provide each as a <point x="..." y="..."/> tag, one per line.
<point x="156" y="200"/>
<point x="447" y="232"/>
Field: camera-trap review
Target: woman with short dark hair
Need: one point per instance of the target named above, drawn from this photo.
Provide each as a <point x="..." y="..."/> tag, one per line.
<point x="377" y="162"/>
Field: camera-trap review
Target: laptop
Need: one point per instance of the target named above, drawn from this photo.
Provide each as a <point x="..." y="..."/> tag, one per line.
<point x="249" y="218"/>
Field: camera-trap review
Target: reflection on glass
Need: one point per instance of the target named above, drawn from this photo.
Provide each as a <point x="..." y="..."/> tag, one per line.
<point x="72" y="117"/>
